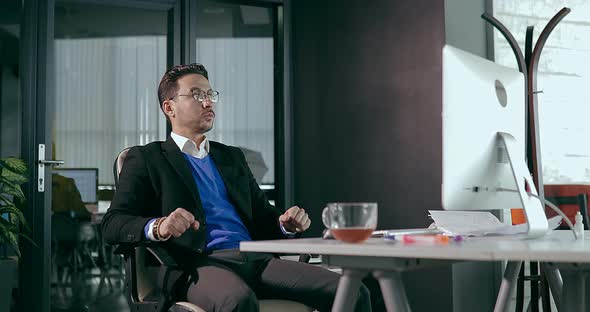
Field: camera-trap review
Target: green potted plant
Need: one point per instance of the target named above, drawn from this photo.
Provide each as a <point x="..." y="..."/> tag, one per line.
<point x="12" y="221"/>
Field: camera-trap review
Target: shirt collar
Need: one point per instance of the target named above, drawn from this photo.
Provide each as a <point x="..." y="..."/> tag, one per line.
<point x="189" y="146"/>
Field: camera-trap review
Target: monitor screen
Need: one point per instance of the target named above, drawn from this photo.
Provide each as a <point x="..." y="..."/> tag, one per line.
<point x="86" y="180"/>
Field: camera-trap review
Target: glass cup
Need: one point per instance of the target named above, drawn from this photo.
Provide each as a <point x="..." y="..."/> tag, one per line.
<point x="350" y="222"/>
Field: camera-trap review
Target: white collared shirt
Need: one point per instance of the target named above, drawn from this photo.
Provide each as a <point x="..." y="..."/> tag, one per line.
<point x="189" y="146"/>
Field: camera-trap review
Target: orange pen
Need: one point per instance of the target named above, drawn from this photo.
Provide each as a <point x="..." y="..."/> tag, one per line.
<point x="425" y="239"/>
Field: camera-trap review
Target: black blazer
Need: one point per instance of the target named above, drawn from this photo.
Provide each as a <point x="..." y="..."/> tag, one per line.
<point x="156" y="179"/>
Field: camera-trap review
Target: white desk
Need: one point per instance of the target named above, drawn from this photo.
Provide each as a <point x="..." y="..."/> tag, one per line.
<point x="387" y="259"/>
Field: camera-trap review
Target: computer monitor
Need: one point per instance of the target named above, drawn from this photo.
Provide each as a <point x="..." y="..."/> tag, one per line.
<point x="483" y="136"/>
<point x="86" y="180"/>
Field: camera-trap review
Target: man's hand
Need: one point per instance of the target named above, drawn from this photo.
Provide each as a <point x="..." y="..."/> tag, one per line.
<point x="295" y="220"/>
<point x="177" y="223"/>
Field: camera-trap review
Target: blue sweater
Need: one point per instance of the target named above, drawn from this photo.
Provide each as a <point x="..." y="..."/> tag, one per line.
<point x="225" y="229"/>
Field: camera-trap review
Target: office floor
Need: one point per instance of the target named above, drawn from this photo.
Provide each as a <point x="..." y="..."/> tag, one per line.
<point x="89" y="293"/>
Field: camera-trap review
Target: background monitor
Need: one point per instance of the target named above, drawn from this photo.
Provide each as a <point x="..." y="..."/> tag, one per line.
<point x="86" y="180"/>
<point x="483" y="137"/>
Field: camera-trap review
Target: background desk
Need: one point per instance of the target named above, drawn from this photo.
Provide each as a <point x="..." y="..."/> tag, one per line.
<point x="387" y="259"/>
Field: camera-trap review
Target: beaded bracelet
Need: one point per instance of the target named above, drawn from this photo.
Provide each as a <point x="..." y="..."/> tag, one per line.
<point x="156" y="230"/>
<point x="155" y="233"/>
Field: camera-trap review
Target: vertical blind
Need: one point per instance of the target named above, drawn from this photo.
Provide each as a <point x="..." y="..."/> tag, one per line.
<point x="241" y="69"/>
<point x="106" y="98"/>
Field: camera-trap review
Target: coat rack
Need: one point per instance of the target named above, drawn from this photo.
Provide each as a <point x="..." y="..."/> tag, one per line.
<point x="528" y="65"/>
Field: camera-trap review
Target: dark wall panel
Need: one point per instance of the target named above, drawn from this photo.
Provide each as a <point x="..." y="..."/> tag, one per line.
<point x="367" y="86"/>
<point x="367" y="106"/>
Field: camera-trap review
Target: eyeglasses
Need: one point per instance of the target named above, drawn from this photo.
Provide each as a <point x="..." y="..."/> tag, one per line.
<point x="200" y="95"/>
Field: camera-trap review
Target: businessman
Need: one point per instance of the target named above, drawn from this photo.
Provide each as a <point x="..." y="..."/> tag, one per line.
<point x="200" y="200"/>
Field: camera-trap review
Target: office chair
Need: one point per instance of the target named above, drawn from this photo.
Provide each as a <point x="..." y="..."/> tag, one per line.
<point x="72" y="245"/>
<point x="147" y="285"/>
<point x="581" y="201"/>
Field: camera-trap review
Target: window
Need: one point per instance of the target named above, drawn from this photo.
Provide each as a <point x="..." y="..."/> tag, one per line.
<point x="107" y="72"/>
<point x="236" y="45"/>
<point x="563" y="78"/>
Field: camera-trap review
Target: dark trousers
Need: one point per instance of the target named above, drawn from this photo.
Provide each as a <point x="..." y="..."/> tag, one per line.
<point x="233" y="281"/>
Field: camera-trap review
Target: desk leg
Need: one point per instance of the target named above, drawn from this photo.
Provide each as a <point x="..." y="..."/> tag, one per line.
<point x="507" y="286"/>
<point x="392" y="288"/>
<point x="555" y="282"/>
<point x="573" y="291"/>
<point x="348" y="288"/>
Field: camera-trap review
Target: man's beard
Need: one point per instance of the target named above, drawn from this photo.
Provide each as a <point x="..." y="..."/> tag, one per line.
<point x="207" y="128"/>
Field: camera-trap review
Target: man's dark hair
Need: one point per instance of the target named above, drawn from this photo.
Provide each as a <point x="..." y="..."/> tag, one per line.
<point x="169" y="86"/>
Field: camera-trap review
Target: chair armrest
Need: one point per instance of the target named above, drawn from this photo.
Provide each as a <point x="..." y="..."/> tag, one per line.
<point x="167" y="265"/>
<point x="163" y="256"/>
<point x="127" y="249"/>
<point x="304" y="258"/>
<point x="295" y="257"/>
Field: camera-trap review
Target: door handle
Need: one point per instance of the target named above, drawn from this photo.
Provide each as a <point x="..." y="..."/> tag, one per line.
<point x="41" y="163"/>
<point x="51" y="162"/>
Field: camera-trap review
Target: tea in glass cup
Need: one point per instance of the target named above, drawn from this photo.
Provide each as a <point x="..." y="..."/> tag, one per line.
<point x="350" y="222"/>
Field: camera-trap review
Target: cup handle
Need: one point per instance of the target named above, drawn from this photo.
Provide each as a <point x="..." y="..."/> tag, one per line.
<point x="325" y="218"/>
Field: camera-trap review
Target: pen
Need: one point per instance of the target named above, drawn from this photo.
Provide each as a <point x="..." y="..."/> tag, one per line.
<point x="425" y="239"/>
<point x="428" y="239"/>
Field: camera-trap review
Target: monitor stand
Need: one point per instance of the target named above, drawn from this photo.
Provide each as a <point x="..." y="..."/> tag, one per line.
<point x="533" y="209"/>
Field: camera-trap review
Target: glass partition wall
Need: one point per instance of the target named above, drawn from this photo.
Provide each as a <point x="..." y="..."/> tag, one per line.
<point x="89" y="89"/>
<point x="108" y="61"/>
<point x="236" y="43"/>
<point x="11" y="126"/>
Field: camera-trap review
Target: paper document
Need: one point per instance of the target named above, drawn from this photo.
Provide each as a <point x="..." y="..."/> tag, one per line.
<point x="478" y="223"/>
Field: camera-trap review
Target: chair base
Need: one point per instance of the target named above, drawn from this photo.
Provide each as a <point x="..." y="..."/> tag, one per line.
<point x="265" y="306"/>
<point x="185" y="307"/>
<point x="270" y="305"/>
